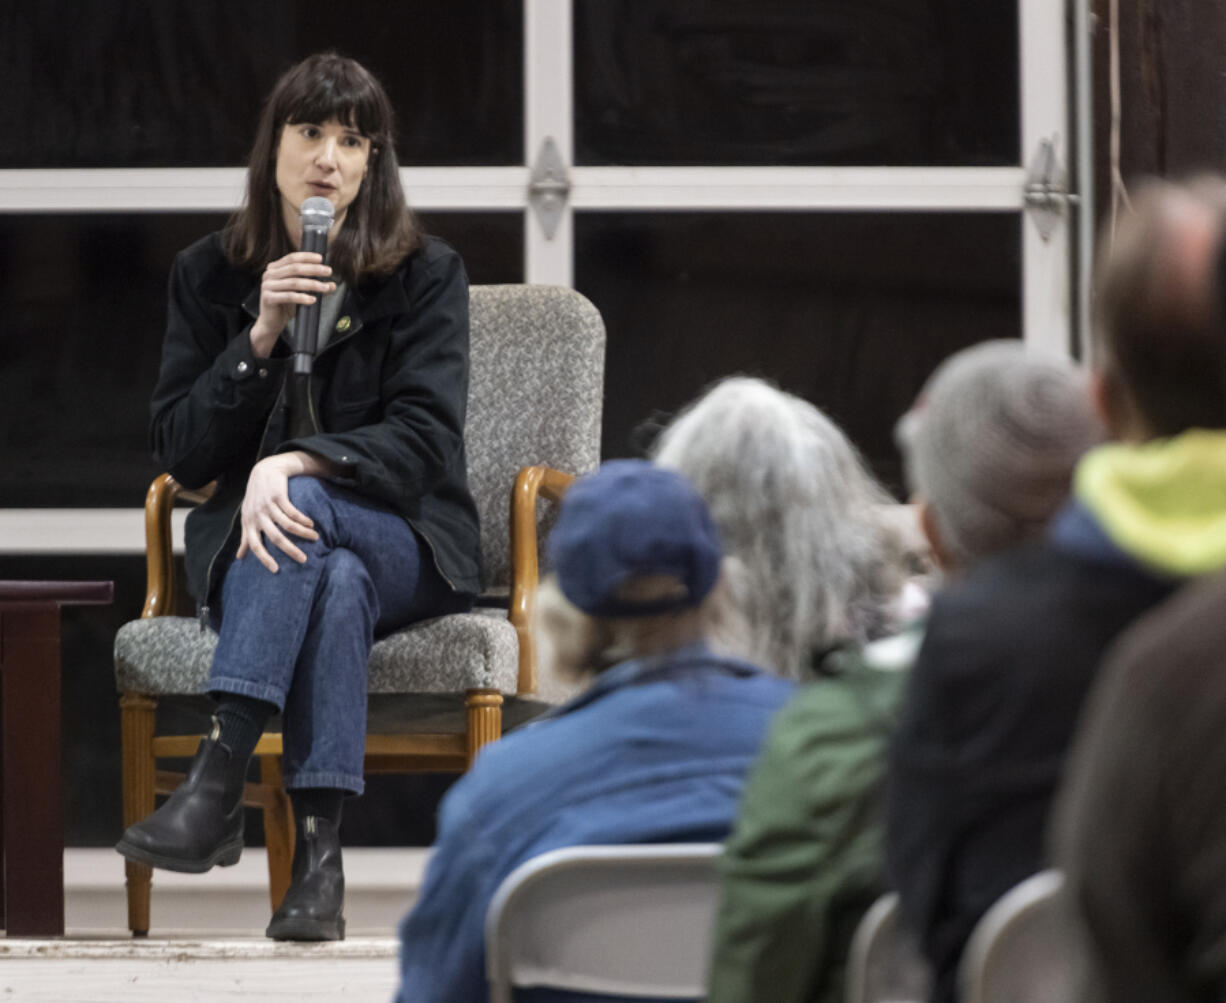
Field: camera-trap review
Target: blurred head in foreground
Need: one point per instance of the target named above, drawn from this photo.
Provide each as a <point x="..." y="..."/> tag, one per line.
<point x="1159" y="352"/>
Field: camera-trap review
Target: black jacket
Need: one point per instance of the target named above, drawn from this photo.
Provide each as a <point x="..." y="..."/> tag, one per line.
<point x="390" y="391"/>
<point x="990" y="710"/>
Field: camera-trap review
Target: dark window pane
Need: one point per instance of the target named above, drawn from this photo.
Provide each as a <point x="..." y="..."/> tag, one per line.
<point x="491" y="243"/>
<point x="86" y="307"/>
<point x="886" y="82"/>
<point x="850" y="311"/>
<point x="87" y="297"/>
<point x="145" y="83"/>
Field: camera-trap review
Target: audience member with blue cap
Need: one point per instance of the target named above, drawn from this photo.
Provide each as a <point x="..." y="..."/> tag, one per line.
<point x="630" y="523"/>
<point x="655" y="750"/>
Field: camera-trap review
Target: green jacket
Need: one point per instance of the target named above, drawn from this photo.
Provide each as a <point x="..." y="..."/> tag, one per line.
<point x="805" y="858"/>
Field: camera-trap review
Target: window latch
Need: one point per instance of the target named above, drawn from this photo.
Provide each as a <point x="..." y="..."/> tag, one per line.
<point x="548" y="187"/>
<point x="1046" y="194"/>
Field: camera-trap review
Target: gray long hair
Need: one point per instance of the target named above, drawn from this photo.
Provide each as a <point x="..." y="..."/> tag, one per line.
<point x="794" y="503"/>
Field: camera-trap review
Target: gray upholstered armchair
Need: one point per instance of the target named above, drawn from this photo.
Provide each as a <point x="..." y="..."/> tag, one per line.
<point x="439" y="689"/>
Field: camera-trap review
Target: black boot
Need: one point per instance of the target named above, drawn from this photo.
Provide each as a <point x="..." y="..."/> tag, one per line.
<point x="194" y="830"/>
<point x="311" y="909"/>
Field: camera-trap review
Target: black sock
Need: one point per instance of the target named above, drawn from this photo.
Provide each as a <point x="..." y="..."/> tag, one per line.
<point x="242" y="721"/>
<point x="322" y="802"/>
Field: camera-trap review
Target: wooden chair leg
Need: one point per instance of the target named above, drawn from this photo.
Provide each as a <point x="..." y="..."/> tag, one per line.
<point x="278" y="830"/>
<point x="484" y="720"/>
<point x="136" y="714"/>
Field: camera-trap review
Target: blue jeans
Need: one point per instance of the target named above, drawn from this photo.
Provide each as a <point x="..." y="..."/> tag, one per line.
<point x="300" y="639"/>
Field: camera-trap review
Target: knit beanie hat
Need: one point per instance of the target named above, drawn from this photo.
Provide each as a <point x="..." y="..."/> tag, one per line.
<point x="991" y="442"/>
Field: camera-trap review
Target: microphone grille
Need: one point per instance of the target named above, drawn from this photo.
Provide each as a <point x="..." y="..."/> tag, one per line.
<point x="317" y="213"/>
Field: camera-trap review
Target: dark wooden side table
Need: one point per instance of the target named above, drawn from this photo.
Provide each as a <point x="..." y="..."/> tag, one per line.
<point x="31" y="752"/>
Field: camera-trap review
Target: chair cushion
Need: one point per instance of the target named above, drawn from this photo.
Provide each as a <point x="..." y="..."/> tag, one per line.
<point x="479" y="650"/>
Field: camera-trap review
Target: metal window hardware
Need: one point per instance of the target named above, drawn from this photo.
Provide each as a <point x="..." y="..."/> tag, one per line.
<point x="548" y="187"/>
<point x="1046" y="194"/>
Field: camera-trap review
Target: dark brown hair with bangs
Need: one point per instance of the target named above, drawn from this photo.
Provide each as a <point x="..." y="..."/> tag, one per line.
<point x="379" y="229"/>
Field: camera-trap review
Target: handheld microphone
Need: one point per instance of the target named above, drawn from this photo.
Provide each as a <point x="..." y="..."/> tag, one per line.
<point x="316" y="214"/>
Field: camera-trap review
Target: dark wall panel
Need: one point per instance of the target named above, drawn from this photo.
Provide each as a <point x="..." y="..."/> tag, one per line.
<point x="1172" y="58"/>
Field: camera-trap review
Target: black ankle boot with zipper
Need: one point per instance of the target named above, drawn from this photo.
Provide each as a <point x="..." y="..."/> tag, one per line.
<point x="311" y="909"/>
<point x="201" y="823"/>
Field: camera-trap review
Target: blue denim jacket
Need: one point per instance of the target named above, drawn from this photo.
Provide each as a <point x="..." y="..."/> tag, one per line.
<point x="655" y="751"/>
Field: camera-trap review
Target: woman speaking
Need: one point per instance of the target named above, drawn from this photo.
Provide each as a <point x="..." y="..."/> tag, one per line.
<point x="311" y="545"/>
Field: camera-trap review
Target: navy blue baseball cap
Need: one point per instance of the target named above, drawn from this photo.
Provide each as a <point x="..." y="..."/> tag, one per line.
<point x="626" y="522"/>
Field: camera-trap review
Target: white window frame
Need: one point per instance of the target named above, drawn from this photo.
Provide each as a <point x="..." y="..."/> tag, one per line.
<point x="1048" y="307"/>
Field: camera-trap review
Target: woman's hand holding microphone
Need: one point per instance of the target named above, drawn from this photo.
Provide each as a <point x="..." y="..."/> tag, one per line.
<point x="289" y="282"/>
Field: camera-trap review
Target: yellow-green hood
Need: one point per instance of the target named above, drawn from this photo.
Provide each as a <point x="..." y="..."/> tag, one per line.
<point x="1164" y="501"/>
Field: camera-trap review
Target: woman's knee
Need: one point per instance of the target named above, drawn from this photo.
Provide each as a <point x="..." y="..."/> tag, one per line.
<point x="309" y="495"/>
<point x="346" y="578"/>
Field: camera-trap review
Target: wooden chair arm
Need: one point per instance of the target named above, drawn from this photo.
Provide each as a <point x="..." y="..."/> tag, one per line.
<point x="160" y="592"/>
<point x="530" y="484"/>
